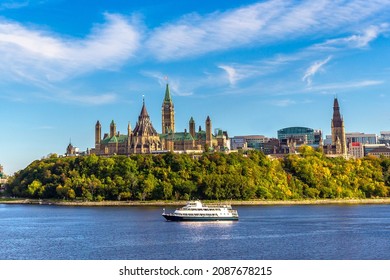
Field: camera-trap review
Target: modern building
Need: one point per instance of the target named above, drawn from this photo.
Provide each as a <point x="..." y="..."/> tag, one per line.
<point x="238" y="143"/>
<point x="248" y="142"/>
<point x="339" y="142"/>
<point x="328" y="140"/>
<point x="380" y="152"/>
<point x="384" y="138"/>
<point x="145" y="139"/>
<point x="273" y="147"/>
<point x="356" y="149"/>
<point x="303" y="135"/>
<point x="368" y="148"/>
<point x="300" y="135"/>
<point x="359" y="137"/>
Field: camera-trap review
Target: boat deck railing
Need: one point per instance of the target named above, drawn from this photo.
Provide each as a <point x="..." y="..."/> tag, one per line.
<point x="218" y="205"/>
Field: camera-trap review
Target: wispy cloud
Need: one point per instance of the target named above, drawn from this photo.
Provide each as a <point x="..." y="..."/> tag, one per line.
<point x="346" y="85"/>
<point x="231" y="73"/>
<point x="43" y="127"/>
<point x="240" y="71"/>
<point x="174" y="83"/>
<point x="235" y="72"/>
<point x="360" y="40"/>
<point x="89" y="99"/>
<point x="8" y="5"/>
<point x="28" y="53"/>
<point x="261" y="23"/>
<point x="282" y="102"/>
<point x="313" y="69"/>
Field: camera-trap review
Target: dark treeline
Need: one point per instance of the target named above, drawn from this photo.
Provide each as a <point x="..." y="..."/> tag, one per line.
<point x="214" y="176"/>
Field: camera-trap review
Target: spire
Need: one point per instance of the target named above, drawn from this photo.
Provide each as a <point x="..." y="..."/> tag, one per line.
<point x="129" y="128"/>
<point x="167" y="98"/>
<point x="337" y="120"/>
<point x="144" y="125"/>
<point x="144" y="112"/>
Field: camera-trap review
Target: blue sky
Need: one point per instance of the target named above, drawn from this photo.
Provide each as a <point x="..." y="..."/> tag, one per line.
<point x="253" y="66"/>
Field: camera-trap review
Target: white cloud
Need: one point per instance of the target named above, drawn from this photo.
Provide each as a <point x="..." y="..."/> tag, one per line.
<point x="28" y="53"/>
<point x="359" y="40"/>
<point x="261" y="23"/>
<point x="313" y="69"/>
<point x="194" y="34"/>
<point x="347" y="85"/>
<point x="282" y="102"/>
<point x="231" y="74"/>
<point x="8" y="5"/>
<point x="174" y="83"/>
<point x="92" y="99"/>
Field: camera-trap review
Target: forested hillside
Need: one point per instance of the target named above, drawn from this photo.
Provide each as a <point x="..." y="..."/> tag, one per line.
<point x="210" y="176"/>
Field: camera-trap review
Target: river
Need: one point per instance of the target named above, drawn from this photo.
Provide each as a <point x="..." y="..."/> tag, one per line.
<point x="335" y="232"/>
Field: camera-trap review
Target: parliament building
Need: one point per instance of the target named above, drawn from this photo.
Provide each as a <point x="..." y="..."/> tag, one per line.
<point x="144" y="139"/>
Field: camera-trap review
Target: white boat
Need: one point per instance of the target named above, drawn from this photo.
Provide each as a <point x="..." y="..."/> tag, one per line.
<point x="196" y="211"/>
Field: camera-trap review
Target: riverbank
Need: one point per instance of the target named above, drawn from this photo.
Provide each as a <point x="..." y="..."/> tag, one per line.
<point x="180" y="203"/>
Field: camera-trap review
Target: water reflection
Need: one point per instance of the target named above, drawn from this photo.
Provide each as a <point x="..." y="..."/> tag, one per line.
<point x="206" y="224"/>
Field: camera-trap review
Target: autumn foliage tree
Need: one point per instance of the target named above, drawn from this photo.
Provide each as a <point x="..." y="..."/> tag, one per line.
<point x="213" y="176"/>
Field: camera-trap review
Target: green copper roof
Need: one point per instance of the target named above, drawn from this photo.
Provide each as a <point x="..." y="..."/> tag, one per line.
<point x="167" y="97"/>
<point x="185" y="136"/>
<point x="177" y="136"/>
<point x="115" y="139"/>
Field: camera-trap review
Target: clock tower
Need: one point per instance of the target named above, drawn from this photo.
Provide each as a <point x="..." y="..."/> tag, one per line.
<point x="168" y="113"/>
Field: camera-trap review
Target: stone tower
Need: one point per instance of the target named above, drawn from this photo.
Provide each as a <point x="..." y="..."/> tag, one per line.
<point x="208" y="132"/>
<point x="112" y="129"/>
<point x="98" y="133"/>
<point x="192" y="127"/>
<point x="338" y="130"/>
<point x="168" y="113"/>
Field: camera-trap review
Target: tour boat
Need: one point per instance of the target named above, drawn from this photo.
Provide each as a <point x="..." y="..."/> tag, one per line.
<point x="196" y="211"/>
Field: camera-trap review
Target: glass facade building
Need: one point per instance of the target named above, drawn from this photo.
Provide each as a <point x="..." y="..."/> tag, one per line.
<point x="359" y="137"/>
<point x="303" y="134"/>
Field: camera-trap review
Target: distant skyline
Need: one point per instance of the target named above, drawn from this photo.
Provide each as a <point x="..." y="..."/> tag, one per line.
<point x="253" y="66"/>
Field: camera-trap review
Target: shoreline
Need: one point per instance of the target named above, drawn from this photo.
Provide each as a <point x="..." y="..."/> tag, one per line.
<point x="182" y="202"/>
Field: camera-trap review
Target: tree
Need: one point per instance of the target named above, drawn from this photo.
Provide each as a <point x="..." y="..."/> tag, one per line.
<point x="35" y="189"/>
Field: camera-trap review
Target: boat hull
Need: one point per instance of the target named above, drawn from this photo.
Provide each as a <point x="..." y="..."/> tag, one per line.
<point x="176" y="218"/>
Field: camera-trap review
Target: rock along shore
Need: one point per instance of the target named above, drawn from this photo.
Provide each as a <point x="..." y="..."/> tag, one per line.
<point x="179" y="203"/>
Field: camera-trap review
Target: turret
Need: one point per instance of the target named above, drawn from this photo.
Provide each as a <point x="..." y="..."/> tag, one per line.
<point x="208" y="132"/>
<point x="129" y="132"/>
<point x="192" y="127"/>
<point x="98" y="133"/>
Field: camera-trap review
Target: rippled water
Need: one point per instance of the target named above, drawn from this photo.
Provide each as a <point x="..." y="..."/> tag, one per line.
<point x="263" y="232"/>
